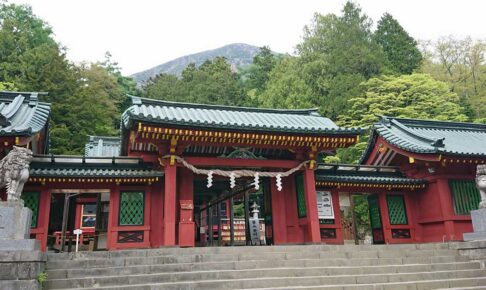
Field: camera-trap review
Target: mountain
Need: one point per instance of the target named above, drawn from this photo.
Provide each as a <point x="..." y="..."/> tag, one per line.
<point x="238" y="55"/>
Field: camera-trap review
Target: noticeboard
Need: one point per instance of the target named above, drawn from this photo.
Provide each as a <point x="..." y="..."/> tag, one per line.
<point x="324" y="205"/>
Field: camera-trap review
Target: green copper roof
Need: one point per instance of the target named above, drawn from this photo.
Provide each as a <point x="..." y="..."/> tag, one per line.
<point x="431" y="137"/>
<point x="230" y="118"/>
<point x="80" y="166"/>
<point x="364" y="174"/>
<point x="102" y="146"/>
<point x="22" y="113"/>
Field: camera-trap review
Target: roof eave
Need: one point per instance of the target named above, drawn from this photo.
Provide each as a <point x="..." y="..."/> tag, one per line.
<point x="333" y="131"/>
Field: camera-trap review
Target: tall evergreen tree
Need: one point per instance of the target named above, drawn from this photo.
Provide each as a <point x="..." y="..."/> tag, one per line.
<point x="400" y="48"/>
<point x="30" y="57"/>
<point x="335" y="56"/>
<point x="286" y="87"/>
<point x="258" y="73"/>
<point x="127" y="85"/>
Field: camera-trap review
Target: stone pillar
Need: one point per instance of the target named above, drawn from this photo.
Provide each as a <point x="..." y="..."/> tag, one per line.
<point x="170" y="205"/>
<point x="15" y="222"/>
<point x="478" y="217"/>
<point x="21" y="258"/>
<point x="311" y="205"/>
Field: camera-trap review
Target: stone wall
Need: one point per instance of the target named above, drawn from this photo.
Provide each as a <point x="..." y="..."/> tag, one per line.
<point x="475" y="250"/>
<point x="21" y="269"/>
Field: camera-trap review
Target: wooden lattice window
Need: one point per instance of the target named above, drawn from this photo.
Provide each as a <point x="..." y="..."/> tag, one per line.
<point x="132" y="205"/>
<point x="31" y="201"/>
<point x="396" y="209"/>
<point x="465" y="195"/>
<point x="299" y="187"/>
<point x="374" y="207"/>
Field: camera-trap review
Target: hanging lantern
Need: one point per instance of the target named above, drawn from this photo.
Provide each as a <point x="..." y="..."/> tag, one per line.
<point x="210" y="179"/>
<point x="279" y="182"/>
<point x="232" y="180"/>
<point x="257" y="181"/>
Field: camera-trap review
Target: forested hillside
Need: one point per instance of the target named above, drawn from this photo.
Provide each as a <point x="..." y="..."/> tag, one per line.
<point x="349" y="69"/>
<point x="239" y="55"/>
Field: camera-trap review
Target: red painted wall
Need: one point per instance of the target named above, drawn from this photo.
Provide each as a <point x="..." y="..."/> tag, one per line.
<point x="433" y="209"/>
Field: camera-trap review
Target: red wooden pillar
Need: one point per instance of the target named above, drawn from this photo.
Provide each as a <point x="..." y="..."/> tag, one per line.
<point x="385" y="219"/>
<point x="113" y="212"/>
<point x="311" y="205"/>
<point x="156" y="225"/>
<point x="446" y="206"/>
<point x="279" y="222"/>
<point x="336" y="206"/>
<point x="411" y="208"/>
<point x="44" y="212"/>
<point x="170" y="205"/>
<point x="186" y="231"/>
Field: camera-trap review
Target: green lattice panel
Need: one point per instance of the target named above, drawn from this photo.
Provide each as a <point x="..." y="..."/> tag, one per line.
<point x="132" y="206"/>
<point x="299" y="186"/>
<point x="375" y="218"/>
<point x="31" y="200"/>
<point x="466" y="196"/>
<point x="396" y="209"/>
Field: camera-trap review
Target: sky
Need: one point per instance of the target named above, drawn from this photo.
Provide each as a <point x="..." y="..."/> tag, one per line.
<point x="145" y="33"/>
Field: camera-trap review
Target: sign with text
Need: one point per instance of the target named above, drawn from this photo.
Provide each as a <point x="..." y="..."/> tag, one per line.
<point x="324" y="205"/>
<point x="255" y="231"/>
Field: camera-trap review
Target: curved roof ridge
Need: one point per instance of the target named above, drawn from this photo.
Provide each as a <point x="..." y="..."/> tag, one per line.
<point x="429" y="137"/>
<point x="146" y="101"/>
<point x="22" y="113"/>
<point x="440" y="124"/>
<point x="421" y="137"/>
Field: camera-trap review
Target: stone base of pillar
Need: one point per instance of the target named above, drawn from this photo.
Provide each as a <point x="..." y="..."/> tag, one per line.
<point x="21" y="259"/>
<point x="479" y="226"/>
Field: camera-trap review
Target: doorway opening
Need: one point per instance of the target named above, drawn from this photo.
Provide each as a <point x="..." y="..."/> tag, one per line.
<point x="361" y="218"/>
<point x="232" y="216"/>
<point x="71" y="210"/>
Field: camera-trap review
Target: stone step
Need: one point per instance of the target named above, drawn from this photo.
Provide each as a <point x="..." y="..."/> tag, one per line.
<point x="245" y="249"/>
<point x="267" y="272"/>
<point x="154" y="281"/>
<point x="295" y="270"/>
<point x="198" y="258"/>
<point x="474" y="283"/>
<point x="246" y="264"/>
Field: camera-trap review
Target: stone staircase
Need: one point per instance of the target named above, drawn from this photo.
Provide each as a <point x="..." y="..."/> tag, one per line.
<point x="411" y="266"/>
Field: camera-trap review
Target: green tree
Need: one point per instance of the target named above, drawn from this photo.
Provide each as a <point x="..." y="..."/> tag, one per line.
<point x="409" y="96"/>
<point x="127" y="85"/>
<point x="399" y="47"/>
<point x="32" y="60"/>
<point x="7" y="87"/>
<point x="165" y="87"/>
<point x="337" y="54"/>
<point x="90" y="110"/>
<point x="258" y="73"/>
<point x="461" y="64"/>
<point x="30" y="57"/>
<point x="286" y="87"/>
<point x="213" y="82"/>
<point x="362" y="211"/>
